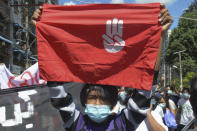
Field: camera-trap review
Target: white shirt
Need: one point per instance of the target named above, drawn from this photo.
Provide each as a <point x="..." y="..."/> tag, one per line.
<point x="186" y="112"/>
<point x="118" y="108"/>
<point x="157" y="115"/>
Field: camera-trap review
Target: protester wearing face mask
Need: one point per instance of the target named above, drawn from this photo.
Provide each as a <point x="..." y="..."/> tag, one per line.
<point x="168" y="96"/>
<point x="172" y="93"/>
<point x="99" y="100"/>
<point x="123" y="96"/>
<point x="155" y="113"/>
<point x="160" y="102"/>
<point x="185" y="109"/>
<point x="169" y="90"/>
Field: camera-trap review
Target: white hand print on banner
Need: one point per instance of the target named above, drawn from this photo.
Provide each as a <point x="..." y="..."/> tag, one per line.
<point x="113" y="41"/>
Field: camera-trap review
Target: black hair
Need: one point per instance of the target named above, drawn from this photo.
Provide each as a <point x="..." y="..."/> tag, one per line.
<point x="185" y="89"/>
<point x="168" y="86"/>
<point x="163" y="89"/>
<point x="172" y="87"/>
<point x="107" y="93"/>
<point x="128" y="91"/>
<point x="140" y="100"/>
<point x="158" y="96"/>
<point x="193" y="93"/>
<point x="166" y="98"/>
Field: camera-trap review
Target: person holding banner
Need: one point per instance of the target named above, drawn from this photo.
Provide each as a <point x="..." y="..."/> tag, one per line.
<point x="99" y="100"/>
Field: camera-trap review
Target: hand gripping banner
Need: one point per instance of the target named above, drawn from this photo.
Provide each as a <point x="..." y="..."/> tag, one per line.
<point x="111" y="44"/>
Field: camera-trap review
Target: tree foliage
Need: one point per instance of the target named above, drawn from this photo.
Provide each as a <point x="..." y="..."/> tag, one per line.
<point x="184" y="37"/>
<point x="192" y="7"/>
<point x="187" y="78"/>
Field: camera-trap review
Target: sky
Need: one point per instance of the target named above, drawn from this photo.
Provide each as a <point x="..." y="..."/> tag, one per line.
<point x="175" y="7"/>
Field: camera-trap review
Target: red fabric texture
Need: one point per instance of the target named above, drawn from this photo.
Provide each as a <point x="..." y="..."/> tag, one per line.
<point x="71" y="44"/>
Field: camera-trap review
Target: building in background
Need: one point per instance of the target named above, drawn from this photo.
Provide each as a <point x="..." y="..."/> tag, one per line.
<point x="4" y="32"/>
<point x="18" y="46"/>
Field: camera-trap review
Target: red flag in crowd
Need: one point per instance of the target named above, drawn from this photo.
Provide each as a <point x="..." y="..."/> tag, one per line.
<point x="111" y="44"/>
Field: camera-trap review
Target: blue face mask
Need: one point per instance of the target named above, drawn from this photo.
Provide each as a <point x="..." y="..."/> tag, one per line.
<point x="162" y="105"/>
<point x="170" y="92"/>
<point x="123" y="95"/>
<point x="97" y="113"/>
<point x="186" y="95"/>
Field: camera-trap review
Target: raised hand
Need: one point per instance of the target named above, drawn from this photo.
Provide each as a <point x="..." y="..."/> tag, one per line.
<point x="165" y="19"/>
<point x="36" y="15"/>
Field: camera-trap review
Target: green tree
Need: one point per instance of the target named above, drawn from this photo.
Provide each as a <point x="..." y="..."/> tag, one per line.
<point x="187" y="79"/>
<point x="176" y="83"/>
<point x="184" y="37"/>
<point x="192" y="7"/>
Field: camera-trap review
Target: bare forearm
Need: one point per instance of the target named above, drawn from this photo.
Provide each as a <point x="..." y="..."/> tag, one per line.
<point x="157" y="64"/>
<point x="153" y="124"/>
<point x="166" y="21"/>
<point x="173" y="111"/>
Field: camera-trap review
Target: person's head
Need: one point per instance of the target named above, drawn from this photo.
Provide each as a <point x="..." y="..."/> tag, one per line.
<point x="193" y="92"/>
<point x="159" y="97"/>
<point x="99" y="95"/>
<point x="186" y="93"/>
<point x="123" y="95"/>
<point x="160" y="100"/>
<point x="163" y="91"/>
<point x="185" y="90"/>
<point x="165" y="96"/>
<point x="168" y="87"/>
<point x="121" y="89"/>
<point x="98" y="101"/>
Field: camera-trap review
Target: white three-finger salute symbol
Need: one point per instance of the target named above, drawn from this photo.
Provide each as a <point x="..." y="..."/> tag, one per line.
<point x="112" y="40"/>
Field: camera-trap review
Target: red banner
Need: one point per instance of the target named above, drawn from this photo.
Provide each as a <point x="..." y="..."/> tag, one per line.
<point x="112" y="44"/>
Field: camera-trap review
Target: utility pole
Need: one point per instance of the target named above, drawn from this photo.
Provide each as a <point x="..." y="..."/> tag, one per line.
<point x="11" y="37"/>
<point x="170" y="75"/>
<point x="180" y="68"/>
<point x="27" y="35"/>
<point x="164" y="72"/>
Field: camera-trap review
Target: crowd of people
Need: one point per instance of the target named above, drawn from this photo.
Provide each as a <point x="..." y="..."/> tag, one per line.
<point x="120" y="108"/>
<point x="126" y="109"/>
